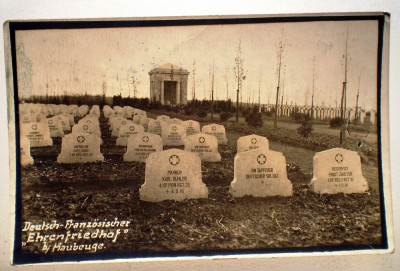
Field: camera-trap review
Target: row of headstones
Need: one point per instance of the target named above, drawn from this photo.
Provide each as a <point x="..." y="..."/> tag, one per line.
<point x="176" y="175"/>
<point x="266" y="180"/>
<point x="40" y="132"/>
<point x="32" y="111"/>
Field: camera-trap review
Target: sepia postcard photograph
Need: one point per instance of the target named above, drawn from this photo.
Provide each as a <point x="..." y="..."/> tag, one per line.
<point x="175" y="137"/>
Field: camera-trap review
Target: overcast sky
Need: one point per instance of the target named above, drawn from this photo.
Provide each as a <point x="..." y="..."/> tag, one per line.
<point x="81" y="60"/>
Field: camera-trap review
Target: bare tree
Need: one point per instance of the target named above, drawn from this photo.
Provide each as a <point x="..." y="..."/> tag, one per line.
<point x="280" y="55"/>
<point x="239" y="73"/>
<point x="344" y="90"/>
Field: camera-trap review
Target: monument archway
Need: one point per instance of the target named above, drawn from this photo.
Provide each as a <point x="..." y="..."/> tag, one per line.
<point x="168" y="84"/>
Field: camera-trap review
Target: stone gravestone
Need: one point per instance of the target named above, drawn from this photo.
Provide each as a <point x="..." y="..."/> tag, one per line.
<point x="25" y="151"/>
<point x="87" y="127"/>
<point x="205" y="146"/>
<point x="55" y="126"/>
<point x="251" y="142"/>
<point x="260" y="173"/>
<point x="174" y="135"/>
<point x="126" y="131"/>
<point x="80" y="148"/>
<point x="136" y="119"/>
<point x="173" y="175"/>
<point x="38" y="134"/>
<point x="163" y="118"/>
<point x="118" y="125"/>
<point x="64" y="121"/>
<point x="175" y="120"/>
<point x="145" y="122"/>
<point x="216" y="130"/>
<point x="192" y="127"/>
<point x="156" y="126"/>
<point x="337" y="171"/>
<point x="141" y="145"/>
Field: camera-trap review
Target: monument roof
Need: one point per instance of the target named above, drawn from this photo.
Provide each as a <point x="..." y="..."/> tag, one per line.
<point x="167" y="67"/>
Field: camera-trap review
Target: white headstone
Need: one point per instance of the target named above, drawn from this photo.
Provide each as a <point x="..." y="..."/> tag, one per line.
<point x="173" y="175"/>
<point x="163" y="118"/>
<point x="260" y="173"/>
<point x="25" y="151"/>
<point x="156" y="126"/>
<point x="127" y="130"/>
<point x="216" y="130"/>
<point x="64" y="121"/>
<point x="141" y="145"/>
<point x="145" y="122"/>
<point x="87" y="127"/>
<point x="175" y="120"/>
<point x="192" y="127"/>
<point x="174" y="135"/>
<point x="117" y="125"/>
<point x="251" y="142"/>
<point x="205" y="146"/>
<point x="136" y="119"/>
<point x="338" y="171"/>
<point x="55" y="126"/>
<point x="38" y="134"/>
<point x="80" y="148"/>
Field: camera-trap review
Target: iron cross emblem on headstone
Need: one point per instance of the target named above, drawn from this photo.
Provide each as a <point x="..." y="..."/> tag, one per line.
<point x="214" y="128"/>
<point x="34" y="127"/>
<point x="85" y="127"/>
<point x="202" y="139"/>
<point x="254" y="140"/>
<point x="50" y="121"/>
<point x="339" y="157"/>
<point x="173" y="128"/>
<point x="261" y="159"/>
<point x="132" y="128"/>
<point x="145" y="139"/>
<point x="174" y="159"/>
<point x="80" y="139"/>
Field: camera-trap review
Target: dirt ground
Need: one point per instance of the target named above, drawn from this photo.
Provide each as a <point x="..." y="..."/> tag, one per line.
<point x="107" y="190"/>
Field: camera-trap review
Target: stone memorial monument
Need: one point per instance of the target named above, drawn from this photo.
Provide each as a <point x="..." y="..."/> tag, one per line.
<point x="251" y="142"/>
<point x="216" y="130"/>
<point x="127" y="130"/>
<point x="80" y="148"/>
<point x="337" y="171"/>
<point x="192" y="127"/>
<point x="205" y="146"/>
<point x="173" y="175"/>
<point x="141" y="145"/>
<point x="156" y="126"/>
<point x="174" y="135"/>
<point x="260" y="173"/>
<point x="25" y="151"/>
<point x="38" y="134"/>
